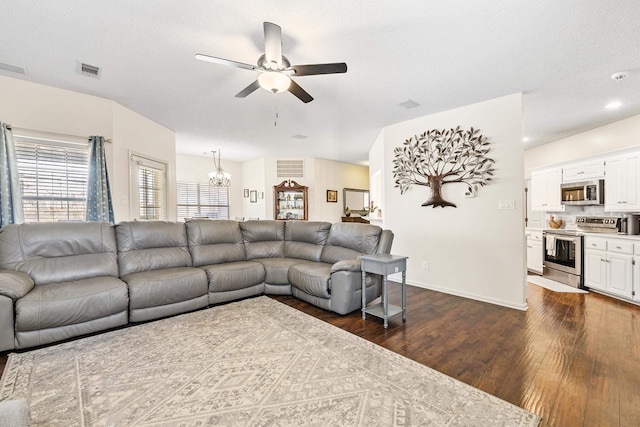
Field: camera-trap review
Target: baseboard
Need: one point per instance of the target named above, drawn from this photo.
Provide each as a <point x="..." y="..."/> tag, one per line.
<point x="523" y="307"/>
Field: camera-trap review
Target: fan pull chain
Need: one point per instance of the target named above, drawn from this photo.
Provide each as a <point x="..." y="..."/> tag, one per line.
<point x="275" y="122"/>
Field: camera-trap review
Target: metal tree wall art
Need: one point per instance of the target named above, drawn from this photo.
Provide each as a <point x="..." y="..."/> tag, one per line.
<point x="439" y="157"/>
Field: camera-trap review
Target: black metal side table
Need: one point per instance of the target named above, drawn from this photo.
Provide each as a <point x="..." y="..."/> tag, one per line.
<point x="384" y="264"/>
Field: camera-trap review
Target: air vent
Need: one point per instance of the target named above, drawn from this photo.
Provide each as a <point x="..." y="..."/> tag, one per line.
<point x="290" y="168"/>
<point x="90" y="70"/>
<point x="12" y="68"/>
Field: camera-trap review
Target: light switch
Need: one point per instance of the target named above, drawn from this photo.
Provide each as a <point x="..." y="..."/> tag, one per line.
<point x="506" y="204"/>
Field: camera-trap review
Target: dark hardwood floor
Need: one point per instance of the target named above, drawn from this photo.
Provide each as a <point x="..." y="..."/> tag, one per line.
<point x="573" y="359"/>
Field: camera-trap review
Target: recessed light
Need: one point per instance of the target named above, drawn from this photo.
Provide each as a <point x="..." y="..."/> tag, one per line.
<point x="613" y="105"/>
<point x="620" y="75"/>
<point x="526" y="139"/>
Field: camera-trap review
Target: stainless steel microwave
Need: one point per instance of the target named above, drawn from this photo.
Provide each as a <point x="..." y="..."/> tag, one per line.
<point x="583" y="193"/>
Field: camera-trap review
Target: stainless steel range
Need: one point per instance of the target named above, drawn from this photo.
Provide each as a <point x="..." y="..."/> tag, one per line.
<point x="563" y="256"/>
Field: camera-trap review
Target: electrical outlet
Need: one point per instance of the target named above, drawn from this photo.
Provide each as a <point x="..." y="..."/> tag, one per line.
<point x="425" y="265"/>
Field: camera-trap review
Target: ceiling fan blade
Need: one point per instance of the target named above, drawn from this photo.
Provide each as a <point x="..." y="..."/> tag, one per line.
<point x="312" y="69"/>
<point x="221" y="61"/>
<point x="273" y="44"/>
<point x="248" y="90"/>
<point x="300" y="93"/>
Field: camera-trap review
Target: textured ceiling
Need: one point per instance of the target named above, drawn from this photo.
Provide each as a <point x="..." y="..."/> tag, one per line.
<point x="440" y="54"/>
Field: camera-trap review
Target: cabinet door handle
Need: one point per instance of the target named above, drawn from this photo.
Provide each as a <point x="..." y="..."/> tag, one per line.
<point x="618" y="247"/>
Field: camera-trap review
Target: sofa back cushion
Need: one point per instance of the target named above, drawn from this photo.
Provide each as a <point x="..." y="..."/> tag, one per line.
<point x="305" y="239"/>
<point x="60" y="251"/>
<point x="263" y="239"/>
<point x="214" y="241"/>
<point x="348" y="240"/>
<point x="151" y="245"/>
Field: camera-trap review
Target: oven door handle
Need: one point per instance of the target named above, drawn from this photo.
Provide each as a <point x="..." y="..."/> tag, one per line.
<point x="565" y="238"/>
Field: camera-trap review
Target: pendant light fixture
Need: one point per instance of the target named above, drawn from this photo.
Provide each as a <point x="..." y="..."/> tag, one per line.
<point x="218" y="177"/>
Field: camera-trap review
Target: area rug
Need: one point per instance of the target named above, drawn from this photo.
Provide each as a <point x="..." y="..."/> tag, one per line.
<point x="552" y="285"/>
<point x="255" y="362"/>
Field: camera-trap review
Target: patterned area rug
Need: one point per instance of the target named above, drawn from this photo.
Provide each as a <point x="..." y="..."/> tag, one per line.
<point x="255" y="362"/>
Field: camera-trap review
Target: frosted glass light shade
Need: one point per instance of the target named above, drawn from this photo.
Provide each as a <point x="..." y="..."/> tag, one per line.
<point x="274" y="81"/>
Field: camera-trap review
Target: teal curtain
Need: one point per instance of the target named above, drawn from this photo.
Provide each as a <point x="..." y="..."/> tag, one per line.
<point x="99" y="205"/>
<point x="11" y="211"/>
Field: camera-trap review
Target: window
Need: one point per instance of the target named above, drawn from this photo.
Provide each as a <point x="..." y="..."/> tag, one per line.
<point x="53" y="179"/>
<point x="149" y="188"/>
<point x="202" y="200"/>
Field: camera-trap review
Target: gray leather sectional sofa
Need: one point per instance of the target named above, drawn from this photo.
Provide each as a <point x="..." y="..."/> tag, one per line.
<point x="63" y="280"/>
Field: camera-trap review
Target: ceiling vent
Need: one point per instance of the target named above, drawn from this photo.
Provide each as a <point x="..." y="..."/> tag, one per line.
<point x="90" y="70"/>
<point x="290" y="168"/>
<point x="409" y="103"/>
<point x="12" y="68"/>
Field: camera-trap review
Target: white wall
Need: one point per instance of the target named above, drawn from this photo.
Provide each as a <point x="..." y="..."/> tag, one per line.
<point x="330" y="175"/>
<point x="197" y="168"/>
<point x="474" y="250"/>
<point x="253" y="178"/>
<point x="43" y="108"/>
<point x="615" y="136"/>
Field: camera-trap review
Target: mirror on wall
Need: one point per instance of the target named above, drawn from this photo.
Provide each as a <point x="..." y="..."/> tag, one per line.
<point x="356" y="200"/>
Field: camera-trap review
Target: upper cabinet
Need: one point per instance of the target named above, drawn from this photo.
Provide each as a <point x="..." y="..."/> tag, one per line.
<point x="290" y="200"/>
<point x="621" y="187"/>
<point x="583" y="171"/>
<point x="545" y="190"/>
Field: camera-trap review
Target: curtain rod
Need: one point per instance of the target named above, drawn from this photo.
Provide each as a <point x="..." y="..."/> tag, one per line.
<point x="44" y="132"/>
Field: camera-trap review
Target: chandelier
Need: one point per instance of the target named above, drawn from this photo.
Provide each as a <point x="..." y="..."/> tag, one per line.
<point x="219" y="177"/>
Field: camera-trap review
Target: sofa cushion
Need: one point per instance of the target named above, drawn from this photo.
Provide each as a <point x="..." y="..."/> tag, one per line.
<point x="263" y="239"/>
<point x="166" y="286"/>
<point x="276" y="270"/>
<point x="151" y="245"/>
<point x="214" y="242"/>
<point x="313" y="278"/>
<point x="348" y="240"/>
<point x="59" y="252"/>
<point x="68" y="303"/>
<point x="234" y="275"/>
<point x="305" y="239"/>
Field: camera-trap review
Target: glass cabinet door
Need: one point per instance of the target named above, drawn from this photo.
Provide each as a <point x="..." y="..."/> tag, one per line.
<point x="290" y="201"/>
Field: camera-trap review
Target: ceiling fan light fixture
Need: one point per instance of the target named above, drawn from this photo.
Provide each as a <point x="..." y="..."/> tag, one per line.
<point x="274" y="81"/>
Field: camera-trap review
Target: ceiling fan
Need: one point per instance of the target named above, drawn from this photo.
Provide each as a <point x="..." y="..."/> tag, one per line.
<point x="275" y="69"/>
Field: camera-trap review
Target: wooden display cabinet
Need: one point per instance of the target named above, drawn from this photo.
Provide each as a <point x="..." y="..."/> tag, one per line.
<point x="290" y="201"/>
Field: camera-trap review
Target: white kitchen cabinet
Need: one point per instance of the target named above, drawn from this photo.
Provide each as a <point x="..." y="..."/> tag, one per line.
<point x="545" y="190"/>
<point x="608" y="266"/>
<point x="622" y="183"/>
<point x="583" y="171"/>
<point x="620" y="274"/>
<point x="636" y="272"/>
<point x="534" y="251"/>
<point x="595" y="269"/>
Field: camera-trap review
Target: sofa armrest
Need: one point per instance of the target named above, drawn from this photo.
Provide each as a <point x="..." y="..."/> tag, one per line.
<point x="346" y="265"/>
<point x="14" y="284"/>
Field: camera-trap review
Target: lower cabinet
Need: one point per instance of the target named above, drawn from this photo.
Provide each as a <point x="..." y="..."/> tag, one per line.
<point x="595" y="269"/>
<point x="534" y="251"/>
<point x="609" y="266"/>
<point x="636" y="272"/>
